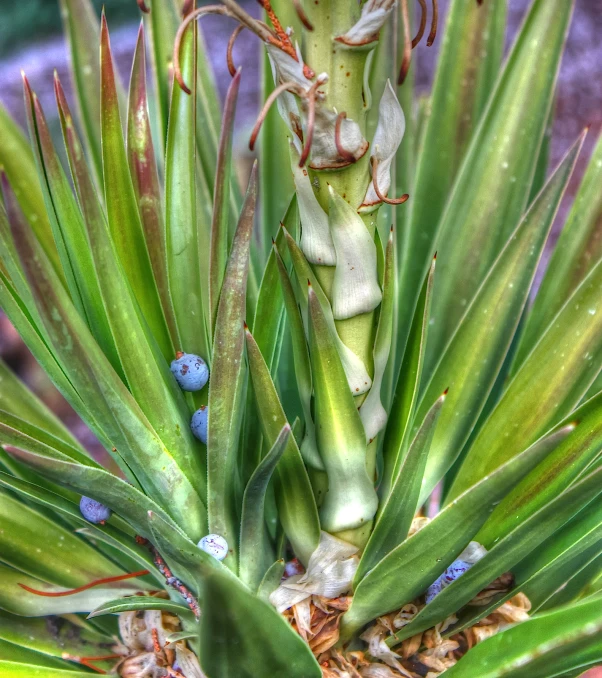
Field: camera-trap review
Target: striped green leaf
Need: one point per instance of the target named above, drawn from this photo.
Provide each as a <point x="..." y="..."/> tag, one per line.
<point x="294" y="497"/>
<point x="226" y="387"/>
<point x="494" y="182"/>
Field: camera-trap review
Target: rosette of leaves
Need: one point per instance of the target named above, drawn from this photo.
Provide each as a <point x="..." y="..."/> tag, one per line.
<point x="388" y="395"/>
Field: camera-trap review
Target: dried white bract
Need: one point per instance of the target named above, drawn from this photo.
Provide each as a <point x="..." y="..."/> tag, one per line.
<point x="287" y="69"/>
<point x="324" y="151"/>
<point x="389" y="133"/>
<point x="329" y="573"/>
<point x="374" y="14"/>
<point x="316" y="241"/>
<point x="355" y="288"/>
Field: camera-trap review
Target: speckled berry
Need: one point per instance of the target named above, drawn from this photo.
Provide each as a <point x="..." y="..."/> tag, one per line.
<point x="215" y="545"/>
<point x="93" y="511"/>
<point x="455" y="570"/>
<point x="198" y="423"/>
<point x="191" y="371"/>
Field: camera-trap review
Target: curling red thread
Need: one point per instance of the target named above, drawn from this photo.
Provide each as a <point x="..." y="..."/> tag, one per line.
<point x="85" y="587"/>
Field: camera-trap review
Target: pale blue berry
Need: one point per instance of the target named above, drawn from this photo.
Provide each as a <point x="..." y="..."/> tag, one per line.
<point x="93" y="511"/>
<point x="215" y="545"/>
<point x="198" y="424"/>
<point x="191" y="371"/>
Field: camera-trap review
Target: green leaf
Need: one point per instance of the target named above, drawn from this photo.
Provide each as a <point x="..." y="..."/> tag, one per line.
<point x="578" y="249"/>
<point x="141" y="603"/>
<point x="226" y="387"/>
<point x="38" y="546"/>
<point x="408" y="570"/>
<point x="548" y="567"/>
<point x="21" y="655"/>
<point x="398" y="510"/>
<point x="372" y="412"/>
<point x="117" y="416"/>
<point x="494" y="182"/>
<point x="255" y="558"/>
<point x="184" y="246"/>
<point x="468" y="66"/>
<point x="99" y="484"/>
<point x="556" y="473"/>
<point x="146" y="371"/>
<point x="296" y="505"/>
<point x="122" y="207"/>
<point x="405" y="399"/>
<point x="271" y="580"/>
<point x="108" y="533"/>
<point x="221" y="199"/>
<point x="68" y="228"/>
<point x="550" y="383"/>
<point x="351" y="500"/>
<point x="143" y="169"/>
<point x="50" y="640"/>
<point x="475" y="353"/>
<point x="276" y="186"/>
<point x="21" y="401"/>
<point x="20" y="602"/>
<point x="18" y="670"/>
<point x="81" y="26"/>
<point x="309" y="445"/>
<point x="161" y="25"/>
<point x="17" y="312"/>
<point x="18" y="432"/>
<point x="505" y="553"/>
<point x="260" y="640"/>
<point x="539" y="648"/>
<point x="18" y="163"/>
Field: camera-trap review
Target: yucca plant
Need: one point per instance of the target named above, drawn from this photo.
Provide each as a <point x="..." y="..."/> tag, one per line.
<point x="344" y="438"/>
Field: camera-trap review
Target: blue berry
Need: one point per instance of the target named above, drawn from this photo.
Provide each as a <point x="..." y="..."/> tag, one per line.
<point x="198" y="424"/>
<point x="93" y="511"/>
<point x="191" y="371"/>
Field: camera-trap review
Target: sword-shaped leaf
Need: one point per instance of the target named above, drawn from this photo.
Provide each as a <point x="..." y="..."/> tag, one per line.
<point x="143" y="169"/>
<point x="494" y="182"/>
<point x="563" y="641"/>
<point x="226" y="388"/>
<point x="122" y="206"/>
<point x="265" y="643"/>
<point x="350" y="500"/>
<point x="145" y="369"/>
<point x="184" y="249"/>
<point x="549" y="384"/>
<point x="372" y="412"/>
<point x="405" y="398"/>
<point x="578" y="249"/>
<point x="255" y="550"/>
<point x="408" y="570"/>
<point x="555" y="474"/>
<point x="309" y="446"/>
<point x="296" y="505"/>
<point x="505" y="553"/>
<point x="221" y="201"/>
<point x="475" y="353"/>
<point x="99" y="484"/>
<point x="19" y="166"/>
<point x="397" y="511"/>
<point x="468" y="67"/>
<point x="68" y="228"/>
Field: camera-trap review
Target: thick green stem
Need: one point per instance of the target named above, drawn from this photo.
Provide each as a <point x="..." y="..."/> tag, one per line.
<point x="344" y="92"/>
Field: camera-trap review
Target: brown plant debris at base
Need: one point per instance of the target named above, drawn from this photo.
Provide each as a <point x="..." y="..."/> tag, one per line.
<point x="425" y="655"/>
